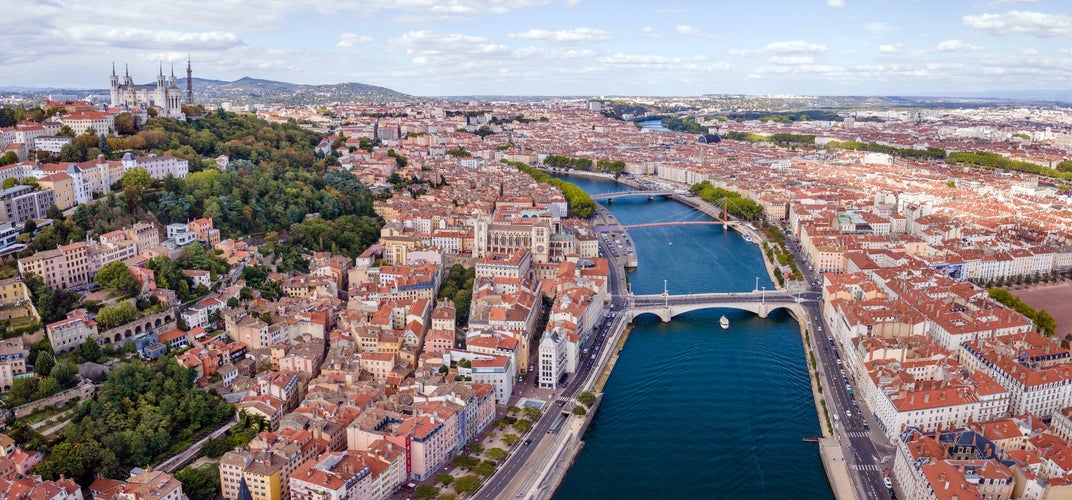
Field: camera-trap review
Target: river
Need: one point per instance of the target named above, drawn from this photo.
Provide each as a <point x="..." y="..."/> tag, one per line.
<point x="691" y="410"/>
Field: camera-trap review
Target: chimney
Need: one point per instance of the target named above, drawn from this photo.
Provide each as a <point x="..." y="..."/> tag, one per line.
<point x="941" y="477"/>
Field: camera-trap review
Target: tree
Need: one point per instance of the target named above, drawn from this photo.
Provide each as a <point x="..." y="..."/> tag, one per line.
<point x="586" y="398"/>
<point x="1045" y="323"/>
<point x="476" y="447"/>
<point x="496" y="454"/>
<point x="138" y="178"/>
<point x="485" y="468"/>
<point x="117" y="276"/>
<point x="126" y="123"/>
<point x="510" y="439"/>
<point x="44" y="364"/>
<point x="531" y="413"/>
<point x="467" y="485"/>
<point x="523" y="425"/>
<point x="447" y="495"/>
<point x="47" y="387"/>
<point x="89" y="350"/>
<point x="22" y="390"/>
<point x="116" y="315"/>
<point x="67" y="131"/>
<point x="579" y="410"/>
<point x="200" y="483"/>
<point x="10" y="182"/>
<point x="63" y="373"/>
<point x="425" y="492"/>
<point x="444" y="479"/>
<point x="465" y="462"/>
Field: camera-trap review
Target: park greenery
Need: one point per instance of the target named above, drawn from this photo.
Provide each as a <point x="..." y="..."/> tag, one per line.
<point x="687" y="124"/>
<point x="141" y="413"/>
<point x="930" y="153"/>
<point x="994" y="160"/>
<point x="273" y="183"/>
<point x="780" y="116"/>
<point x="613" y="167"/>
<point x="737" y="205"/>
<point x="458" y="287"/>
<point x="580" y="203"/>
<point x="200" y="483"/>
<point x="1044" y="323"/>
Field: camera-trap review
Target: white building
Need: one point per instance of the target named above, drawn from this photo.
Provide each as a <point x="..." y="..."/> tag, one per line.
<point x="552" y="358"/>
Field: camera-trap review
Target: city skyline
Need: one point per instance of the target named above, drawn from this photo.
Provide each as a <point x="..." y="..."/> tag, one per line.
<point x="556" y="47"/>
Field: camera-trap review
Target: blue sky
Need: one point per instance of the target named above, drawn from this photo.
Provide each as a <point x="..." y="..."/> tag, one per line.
<point x="555" y="47"/>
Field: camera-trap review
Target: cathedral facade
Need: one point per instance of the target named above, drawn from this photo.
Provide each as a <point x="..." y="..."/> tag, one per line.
<point x="165" y="96"/>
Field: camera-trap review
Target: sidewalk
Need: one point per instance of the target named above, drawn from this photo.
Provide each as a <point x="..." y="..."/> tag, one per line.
<point x="837" y="471"/>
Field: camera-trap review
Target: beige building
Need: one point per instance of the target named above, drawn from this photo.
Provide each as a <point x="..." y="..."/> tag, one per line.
<point x="265" y="473"/>
<point x="66" y="334"/>
<point x="65" y="267"/>
<point x="62" y="187"/>
<point x="12" y="362"/>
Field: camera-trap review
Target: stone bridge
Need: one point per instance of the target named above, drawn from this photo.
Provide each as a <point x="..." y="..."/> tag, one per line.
<point x="622" y="194"/>
<point x="761" y="303"/>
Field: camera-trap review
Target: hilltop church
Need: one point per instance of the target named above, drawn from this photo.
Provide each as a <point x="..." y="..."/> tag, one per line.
<point x="165" y="96"/>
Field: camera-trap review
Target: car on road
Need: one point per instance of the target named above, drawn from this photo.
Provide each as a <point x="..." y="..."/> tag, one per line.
<point x="528" y="442"/>
<point x="886" y="481"/>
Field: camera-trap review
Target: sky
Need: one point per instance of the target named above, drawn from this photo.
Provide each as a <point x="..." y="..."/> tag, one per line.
<point x="554" y="47"/>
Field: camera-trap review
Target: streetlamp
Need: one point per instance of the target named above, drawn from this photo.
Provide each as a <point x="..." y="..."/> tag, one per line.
<point x="666" y="296"/>
<point x="757" y="285"/>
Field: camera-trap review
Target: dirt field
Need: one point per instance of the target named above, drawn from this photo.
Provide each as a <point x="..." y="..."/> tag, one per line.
<point x="1055" y="298"/>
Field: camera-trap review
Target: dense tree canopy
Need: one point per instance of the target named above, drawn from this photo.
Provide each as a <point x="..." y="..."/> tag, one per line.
<point x="117" y="276"/>
<point x="140" y="413"/>
<point x="736" y="205"/>
<point x="580" y="203"/>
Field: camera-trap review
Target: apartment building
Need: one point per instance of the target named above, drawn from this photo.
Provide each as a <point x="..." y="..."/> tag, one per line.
<point x="66" y="334"/>
<point x="21" y="203"/>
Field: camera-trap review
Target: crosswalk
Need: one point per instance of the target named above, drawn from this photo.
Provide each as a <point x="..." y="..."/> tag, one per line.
<point x="866" y="467"/>
<point x="859" y="434"/>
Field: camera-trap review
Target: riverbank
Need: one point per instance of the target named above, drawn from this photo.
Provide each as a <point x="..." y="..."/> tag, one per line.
<point x="830" y="452"/>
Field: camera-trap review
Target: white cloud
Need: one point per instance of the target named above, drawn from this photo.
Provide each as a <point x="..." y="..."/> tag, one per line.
<point x="792" y="60"/>
<point x="449" y="7"/>
<point x="779" y="48"/>
<point x="1022" y="22"/>
<point x="954" y="45"/>
<point x="684" y="29"/>
<point x="151" y="39"/>
<point x="880" y="28"/>
<point x="1006" y="2"/>
<point x="427" y="47"/>
<point x="649" y="32"/>
<point x="572" y="3"/>
<point x="835" y="3"/>
<point x="351" y="39"/>
<point x="1028" y="52"/>
<point x="895" y="48"/>
<point x="564" y="37"/>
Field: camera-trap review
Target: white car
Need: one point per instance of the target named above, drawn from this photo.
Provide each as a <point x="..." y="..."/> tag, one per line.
<point x="886" y="481"/>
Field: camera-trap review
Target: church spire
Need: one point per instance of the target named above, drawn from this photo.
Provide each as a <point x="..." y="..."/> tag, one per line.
<point x="127" y="67"/>
<point x="113" y="68"/>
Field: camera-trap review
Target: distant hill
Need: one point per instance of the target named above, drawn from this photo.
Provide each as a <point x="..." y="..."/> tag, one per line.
<point x="256" y="91"/>
<point x="247" y="91"/>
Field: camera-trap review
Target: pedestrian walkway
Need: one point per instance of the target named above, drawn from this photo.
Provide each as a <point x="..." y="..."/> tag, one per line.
<point x="866" y="467"/>
<point x="860" y="434"/>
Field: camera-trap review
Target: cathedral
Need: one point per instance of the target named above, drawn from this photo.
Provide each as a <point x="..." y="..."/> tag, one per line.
<point x="165" y="96"/>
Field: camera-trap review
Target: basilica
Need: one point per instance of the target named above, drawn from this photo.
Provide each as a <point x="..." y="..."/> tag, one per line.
<point x="165" y="96"/>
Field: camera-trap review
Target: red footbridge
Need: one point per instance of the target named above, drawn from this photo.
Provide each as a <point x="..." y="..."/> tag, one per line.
<point x="678" y="223"/>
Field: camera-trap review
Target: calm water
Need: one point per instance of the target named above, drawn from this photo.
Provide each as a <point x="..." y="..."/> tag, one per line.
<point x="692" y="411"/>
